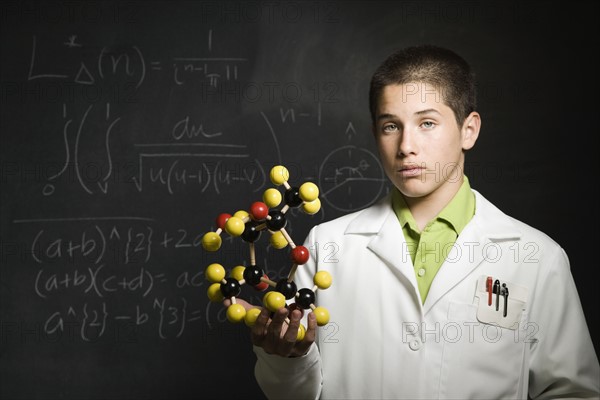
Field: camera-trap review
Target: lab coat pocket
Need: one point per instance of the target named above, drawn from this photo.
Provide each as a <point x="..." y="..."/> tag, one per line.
<point x="499" y="302"/>
<point x="485" y="361"/>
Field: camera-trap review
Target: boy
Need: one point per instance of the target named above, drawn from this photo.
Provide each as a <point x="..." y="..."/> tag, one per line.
<point x="437" y="293"/>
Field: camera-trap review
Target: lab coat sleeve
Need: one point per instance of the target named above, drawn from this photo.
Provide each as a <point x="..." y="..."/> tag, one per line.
<point x="289" y="378"/>
<point x="296" y="377"/>
<point x="563" y="363"/>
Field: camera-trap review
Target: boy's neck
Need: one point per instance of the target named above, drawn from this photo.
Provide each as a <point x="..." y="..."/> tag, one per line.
<point x="427" y="208"/>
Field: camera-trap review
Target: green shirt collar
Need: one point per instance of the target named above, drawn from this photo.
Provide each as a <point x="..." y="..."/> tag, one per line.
<point x="457" y="213"/>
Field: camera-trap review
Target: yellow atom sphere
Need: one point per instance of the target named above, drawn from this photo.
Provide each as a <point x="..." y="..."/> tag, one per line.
<point x="214" y="293"/>
<point x="312" y="207"/>
<point x="322" y="279"/>
<point x="322" y="315"/>
<point x="265" y="297"/>
<point x="278" y="240"/>
<point x="241" y="214"/>
<point x="236" y="313"/>
<point x="274" y="301"/>
<point x="301" y="333"/>
<point x="251" y="316"/>
<point x="279" y="174"/>
<point x="215" y="272"/>
<point x="211" y="241"/>
<point x="235" y="226"/>
<point x="308" y="191"/>
<point x="272" y="197"/>
<point x="238" y="272"/>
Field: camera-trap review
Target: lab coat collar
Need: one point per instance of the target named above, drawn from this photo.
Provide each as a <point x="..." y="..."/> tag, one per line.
<point x="489" y="224"/>
<point x="497" y="224"/>
<point x="388" y="242"/>
<point x="371" y="219"/>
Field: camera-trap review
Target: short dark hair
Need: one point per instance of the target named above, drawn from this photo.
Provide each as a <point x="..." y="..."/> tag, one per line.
<point x="445" y="70"/>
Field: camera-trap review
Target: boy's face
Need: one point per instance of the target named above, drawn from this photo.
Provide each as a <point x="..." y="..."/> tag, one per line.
<point x="420" y="144"/>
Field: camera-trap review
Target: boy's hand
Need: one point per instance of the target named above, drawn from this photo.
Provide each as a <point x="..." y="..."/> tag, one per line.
<point x="275" y="336"/>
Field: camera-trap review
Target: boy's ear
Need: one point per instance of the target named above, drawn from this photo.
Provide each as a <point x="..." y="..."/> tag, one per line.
<point x="470" y="130"/>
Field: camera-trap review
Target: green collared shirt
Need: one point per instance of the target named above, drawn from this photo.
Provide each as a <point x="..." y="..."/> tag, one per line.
<point x="429" y="248"/>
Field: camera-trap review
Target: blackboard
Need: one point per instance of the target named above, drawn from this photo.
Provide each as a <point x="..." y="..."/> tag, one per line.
<point x="127" y="127"/>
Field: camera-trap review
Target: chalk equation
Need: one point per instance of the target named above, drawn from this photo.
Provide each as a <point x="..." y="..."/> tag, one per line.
<point x="110" y="271"/>
<point x="72" y="149"/>
<point x="207" y="175"/>
<point x="127" y="63"/>
<point x="90" y="322"/>
<point x="97" y="244"/>
<point x="168" y="165"/>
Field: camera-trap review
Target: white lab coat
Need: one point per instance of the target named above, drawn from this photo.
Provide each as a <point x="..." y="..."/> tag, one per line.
<point x="383" y="343"/>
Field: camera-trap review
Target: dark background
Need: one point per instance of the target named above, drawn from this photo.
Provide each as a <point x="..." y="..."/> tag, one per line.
<point x="128" y="126"/>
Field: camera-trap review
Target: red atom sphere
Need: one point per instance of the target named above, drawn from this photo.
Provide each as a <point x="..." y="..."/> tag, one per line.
<point x="261" y="287"/>
<point x="259" y="210"/>
<point x="300" y="255"/>
<point x="221" y="219"/>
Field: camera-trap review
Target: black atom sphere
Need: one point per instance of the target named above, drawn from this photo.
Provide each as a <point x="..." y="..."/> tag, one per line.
<point x="288" y="289"/>
<point x="250" y="233"/>
<point x="252" y="275"/>
<point x="305" y="298"/>
<point x="292" y="197"/>
<point x="277" y="220"/>
<point x="230" y="288"/>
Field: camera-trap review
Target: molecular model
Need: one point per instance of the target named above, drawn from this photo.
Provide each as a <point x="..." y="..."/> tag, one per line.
<point x="248" y="225"/>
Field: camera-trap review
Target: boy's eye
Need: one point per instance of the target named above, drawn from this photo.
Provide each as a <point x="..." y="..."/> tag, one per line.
<point x="390" y="128"/>
<point x="428" y="124"/>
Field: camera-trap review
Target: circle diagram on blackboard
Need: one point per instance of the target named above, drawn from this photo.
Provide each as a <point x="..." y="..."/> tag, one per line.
<point x="351" y="178"/>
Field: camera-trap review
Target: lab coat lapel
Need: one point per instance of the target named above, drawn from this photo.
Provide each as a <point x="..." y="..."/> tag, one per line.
<point x="461" y="261"/>
<point x="389" y="245"/>
<point x="489" y="224"/>
<point x="387" y="241"/>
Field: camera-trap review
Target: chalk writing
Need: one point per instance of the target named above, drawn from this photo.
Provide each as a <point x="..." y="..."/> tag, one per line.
<point x="102" y="182"/>
<point x="207" y="175"/>
<point x="128" y="63"/>
<point x="347" y="170"/>
<point x="90" y="321"/>
<point x="96" y="244"/>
